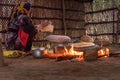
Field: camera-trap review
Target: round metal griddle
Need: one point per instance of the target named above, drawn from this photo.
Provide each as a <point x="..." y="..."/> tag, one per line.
<point x="84" y="46"/>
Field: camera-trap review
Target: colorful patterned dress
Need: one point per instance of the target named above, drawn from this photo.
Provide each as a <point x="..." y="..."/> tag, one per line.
<point x="20" y="33"/>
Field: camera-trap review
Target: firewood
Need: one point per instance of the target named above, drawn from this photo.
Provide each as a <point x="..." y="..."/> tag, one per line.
<point x="60" y="56"/>
<point x="101" y="56"/>
<point x="66" y="57"/>
<point x="52" y="55"/>
<point x="91" y="53"/>
<point x="114" y="54"/>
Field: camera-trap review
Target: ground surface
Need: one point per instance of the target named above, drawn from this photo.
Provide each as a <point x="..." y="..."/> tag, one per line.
<point x="48" y="69"/>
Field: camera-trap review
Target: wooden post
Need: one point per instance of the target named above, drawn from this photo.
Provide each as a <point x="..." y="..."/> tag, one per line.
<point x="63" y="16"/>
<point x="118" y="25"/>
<point x="2" y="63"/>
<point x="113" y="26"/>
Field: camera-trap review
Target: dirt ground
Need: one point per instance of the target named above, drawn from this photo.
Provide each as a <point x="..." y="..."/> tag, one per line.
<point x="48" y="69"/>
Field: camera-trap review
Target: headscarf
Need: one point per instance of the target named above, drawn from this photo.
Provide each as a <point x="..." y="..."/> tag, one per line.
<point x="22" y="8"/>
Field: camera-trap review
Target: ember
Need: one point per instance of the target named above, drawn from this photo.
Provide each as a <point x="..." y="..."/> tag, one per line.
<point x="104" y="52"/>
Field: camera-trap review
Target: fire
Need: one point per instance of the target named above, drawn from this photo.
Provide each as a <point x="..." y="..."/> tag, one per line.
<point x="72" y="52"/>
<point x="104" y="52"/>
<point x="77" y="55"/>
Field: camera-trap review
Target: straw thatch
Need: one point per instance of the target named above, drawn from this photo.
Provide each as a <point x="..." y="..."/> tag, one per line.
<point x="101" y="19"/>
<point x="67" y="16"/>
<point x="70" y="17"/>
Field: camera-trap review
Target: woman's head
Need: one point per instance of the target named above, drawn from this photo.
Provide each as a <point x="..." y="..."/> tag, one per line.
<point x="24" y="8"/>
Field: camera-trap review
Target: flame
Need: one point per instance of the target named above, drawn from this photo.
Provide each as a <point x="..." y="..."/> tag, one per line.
<point x="71" y="51"/>
<point x="104" y="52"/>
<point x="79" y="55"/>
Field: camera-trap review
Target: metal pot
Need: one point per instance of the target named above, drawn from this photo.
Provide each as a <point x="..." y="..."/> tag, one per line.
<point x="38" y="53"/>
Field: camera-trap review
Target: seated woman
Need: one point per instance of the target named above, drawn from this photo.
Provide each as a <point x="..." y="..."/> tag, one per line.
<point x="21" y="31"/>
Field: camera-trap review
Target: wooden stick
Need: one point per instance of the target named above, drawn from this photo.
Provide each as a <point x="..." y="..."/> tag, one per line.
<point x="67" y="57"/>
<point x="60" y="56"/>
<point x="2" y="63"/>
<point x="64" y="25"/>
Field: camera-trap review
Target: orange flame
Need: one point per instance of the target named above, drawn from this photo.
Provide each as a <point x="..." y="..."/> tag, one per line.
<point x="104" y="52"/>
<point x="71" y="51"/>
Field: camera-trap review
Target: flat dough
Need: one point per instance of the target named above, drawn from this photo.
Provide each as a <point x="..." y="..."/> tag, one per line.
<point x="83" y="44"/>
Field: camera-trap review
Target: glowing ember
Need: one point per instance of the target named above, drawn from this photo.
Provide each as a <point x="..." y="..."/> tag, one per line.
<point x="104" y="52"/>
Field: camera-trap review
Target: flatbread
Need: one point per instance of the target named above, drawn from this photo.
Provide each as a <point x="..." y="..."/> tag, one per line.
<point x="83" y="44"/>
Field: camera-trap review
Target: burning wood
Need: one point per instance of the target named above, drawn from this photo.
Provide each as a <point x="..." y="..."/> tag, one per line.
<point x="69" y="57"/>
<point x="68" y="54"/>
<point x="60" y="57"/>
<point x="88" y="53"/>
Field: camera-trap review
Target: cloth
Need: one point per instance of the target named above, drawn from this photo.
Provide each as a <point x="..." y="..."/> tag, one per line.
<point x="23" y="37"/>
<point x="14" y="54"/>
<point x="22" y="8"/>
<point x="21" y="31"/>
<point x="20" y="34"/>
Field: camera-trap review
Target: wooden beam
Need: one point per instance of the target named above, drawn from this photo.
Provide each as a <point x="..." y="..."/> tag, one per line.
<point x="99" y="11"/>
<point x="102" y="34"/>
<point x="63" y="17"/>
<point x="70" y="29"/>
<point x="49" y="18"/>
<point x="103" y="22"/>
<point x="45" y="7"/>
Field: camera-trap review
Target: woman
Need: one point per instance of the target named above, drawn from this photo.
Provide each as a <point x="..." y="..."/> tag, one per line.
<point x="21" y="31"/>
